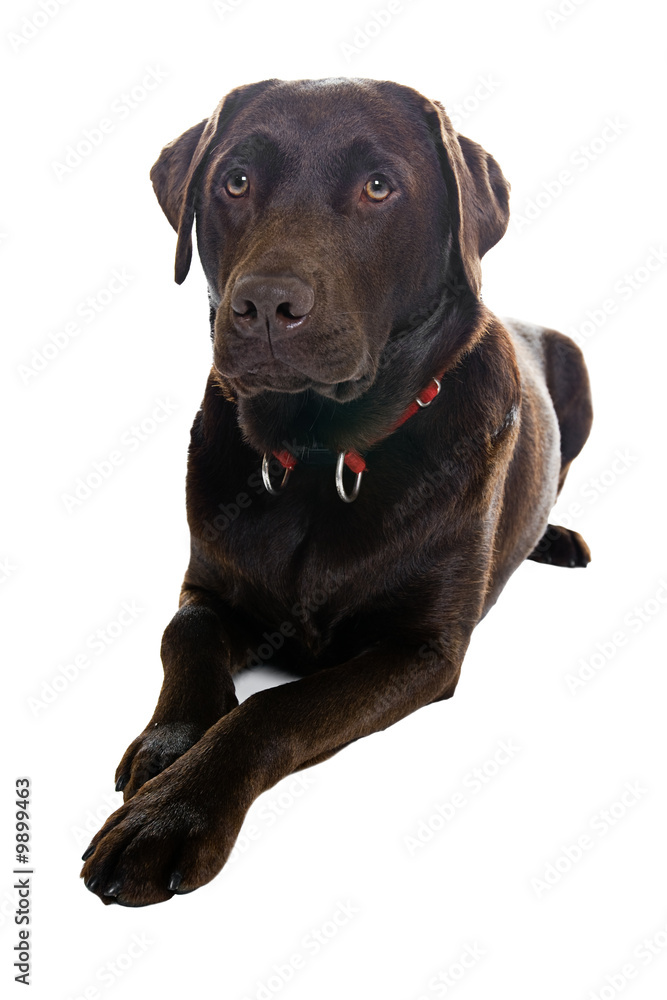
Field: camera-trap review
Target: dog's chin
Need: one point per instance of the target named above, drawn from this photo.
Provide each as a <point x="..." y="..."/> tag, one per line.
<point x="283" y="378"/>
<point x="345" y="391"/>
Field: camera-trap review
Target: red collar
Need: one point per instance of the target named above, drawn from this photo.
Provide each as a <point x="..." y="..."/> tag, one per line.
<point x="352" y="459"/>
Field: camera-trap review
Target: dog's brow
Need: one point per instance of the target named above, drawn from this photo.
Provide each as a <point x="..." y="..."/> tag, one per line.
<point x="257" y="146"/>
<point x="365" y="153"/>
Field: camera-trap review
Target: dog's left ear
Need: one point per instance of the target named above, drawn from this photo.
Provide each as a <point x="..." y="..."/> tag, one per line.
<point x="478" y="192"/>
<point x="179" y="167"/>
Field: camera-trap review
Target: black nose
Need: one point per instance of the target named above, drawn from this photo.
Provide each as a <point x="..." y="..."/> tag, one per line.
<point x="275" y="303"/>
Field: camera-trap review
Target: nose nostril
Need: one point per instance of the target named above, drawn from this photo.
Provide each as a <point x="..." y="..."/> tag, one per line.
<point x="287" y="310"/>
<point x="250" y="311"/>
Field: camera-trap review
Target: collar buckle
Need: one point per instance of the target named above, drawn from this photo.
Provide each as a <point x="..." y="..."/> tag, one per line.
<point x="340" y="486"/>
<point x="430" y="394"/>
<point x="266" y="478"/>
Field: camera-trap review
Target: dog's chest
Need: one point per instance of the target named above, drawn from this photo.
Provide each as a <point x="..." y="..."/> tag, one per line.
<point x="315" y="567"/>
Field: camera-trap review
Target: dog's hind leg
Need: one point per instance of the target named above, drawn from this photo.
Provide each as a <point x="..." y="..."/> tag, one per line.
<point x="569" y="388"/>
<point x="561" y="547"/>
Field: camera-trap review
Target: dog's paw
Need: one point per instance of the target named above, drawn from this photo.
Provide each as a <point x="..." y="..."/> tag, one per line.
<point x="172" y="837"/>
<point x="155" y="749"/>
<point x="561" y="547"/>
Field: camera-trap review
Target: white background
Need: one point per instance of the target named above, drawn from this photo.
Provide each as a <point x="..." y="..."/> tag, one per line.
<point x="550" y="87"/>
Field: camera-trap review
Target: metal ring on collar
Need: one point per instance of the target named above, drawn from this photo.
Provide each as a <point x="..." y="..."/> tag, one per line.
<point x="266" y="476"/>
<point x="340" y="486"/>
<point x="418" y="400"/>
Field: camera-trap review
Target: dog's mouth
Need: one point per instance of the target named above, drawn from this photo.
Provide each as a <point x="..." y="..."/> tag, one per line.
<point x="282" y="377"/>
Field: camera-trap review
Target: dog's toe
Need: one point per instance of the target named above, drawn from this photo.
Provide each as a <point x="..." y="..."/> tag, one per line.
<point x="173" y="836"/>
<point x="152" y="752"/>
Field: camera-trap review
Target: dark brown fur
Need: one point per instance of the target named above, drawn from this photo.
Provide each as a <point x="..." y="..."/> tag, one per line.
<point x="372" y="603"/>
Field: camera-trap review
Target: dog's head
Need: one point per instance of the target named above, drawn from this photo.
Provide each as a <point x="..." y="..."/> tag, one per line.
<point x="329" y="215"/>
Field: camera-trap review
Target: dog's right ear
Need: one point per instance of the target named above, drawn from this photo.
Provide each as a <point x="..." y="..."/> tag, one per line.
<point x="170" y="170"/>
<point x="179" y="167"/>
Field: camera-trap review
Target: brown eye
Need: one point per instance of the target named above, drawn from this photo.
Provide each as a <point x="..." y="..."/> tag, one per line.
<point x="377" y="189"/>
<point x="237" y="184"/>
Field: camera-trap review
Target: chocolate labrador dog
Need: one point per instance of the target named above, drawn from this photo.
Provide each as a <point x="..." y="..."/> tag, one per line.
<point x="374" y="456"/>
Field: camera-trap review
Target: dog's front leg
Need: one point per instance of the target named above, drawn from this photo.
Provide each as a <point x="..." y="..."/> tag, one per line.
<point x="177" y="832"/>
<point x="197" y="655"/>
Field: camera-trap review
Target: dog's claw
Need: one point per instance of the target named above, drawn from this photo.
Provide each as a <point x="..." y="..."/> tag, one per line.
<point x="175" y="881"/>
<point x="121" y="783"/>
<point x="87" y="853"/>
<point x="113" y="889"/>
<point x="92" y="883"/>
